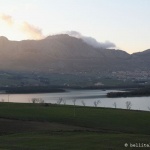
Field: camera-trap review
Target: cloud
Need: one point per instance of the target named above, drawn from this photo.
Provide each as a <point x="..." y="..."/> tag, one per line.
<point x="91" y="41"/>
<point x="31" y="31"/>
<point x="7" y="19"/>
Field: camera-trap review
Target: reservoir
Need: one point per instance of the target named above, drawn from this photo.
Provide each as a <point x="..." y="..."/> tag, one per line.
<point x="82" y="98"/>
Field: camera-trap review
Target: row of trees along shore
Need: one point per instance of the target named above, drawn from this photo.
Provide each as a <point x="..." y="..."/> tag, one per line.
<point x="134" y="93"/>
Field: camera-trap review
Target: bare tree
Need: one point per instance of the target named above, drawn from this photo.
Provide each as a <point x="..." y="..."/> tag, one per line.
<point x="37" y="100"/>
<point x="2" y="100"/>
<point x="59" y="100"/>
<point x="34" y="100"/>
<point x="96" y="103"/>
<point x="29" y="100"/>
<point x="74" y="102"/>
<point x="115" y="104"/>
<point x="64" y="101"/>
<point x="8" y="97"/>
<point x="128" y="104"/>
<point x="83" y="103"/>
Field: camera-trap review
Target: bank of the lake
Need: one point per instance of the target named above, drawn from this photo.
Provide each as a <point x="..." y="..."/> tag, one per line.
<point x="82" y="98"/>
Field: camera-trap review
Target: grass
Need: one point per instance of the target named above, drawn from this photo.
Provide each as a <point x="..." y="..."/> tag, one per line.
<point x="36" y="126"/>
<point x="69" y="141"/>
<point x="97" y="118"/>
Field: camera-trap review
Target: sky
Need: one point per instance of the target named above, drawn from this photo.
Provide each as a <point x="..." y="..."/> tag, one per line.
<point x="125" y="23"/>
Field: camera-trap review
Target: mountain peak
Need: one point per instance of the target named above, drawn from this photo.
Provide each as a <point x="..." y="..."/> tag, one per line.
<point x="3" y="38"/>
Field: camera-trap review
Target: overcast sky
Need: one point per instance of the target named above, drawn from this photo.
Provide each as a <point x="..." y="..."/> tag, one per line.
<point x="126" y="23"/>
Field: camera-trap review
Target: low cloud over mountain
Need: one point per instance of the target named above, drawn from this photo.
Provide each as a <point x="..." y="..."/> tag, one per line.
<point x="91" y="41"/>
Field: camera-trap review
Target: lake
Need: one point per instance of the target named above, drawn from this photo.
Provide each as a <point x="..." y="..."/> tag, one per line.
<point x="86" y="97"/>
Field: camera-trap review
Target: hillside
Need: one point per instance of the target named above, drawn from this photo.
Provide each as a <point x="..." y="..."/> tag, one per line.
<point x="65" y="54"/>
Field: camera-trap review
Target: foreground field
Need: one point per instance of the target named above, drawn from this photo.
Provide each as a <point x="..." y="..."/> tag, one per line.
<point x="69" y="141"/>
<point x="38" y="126"/>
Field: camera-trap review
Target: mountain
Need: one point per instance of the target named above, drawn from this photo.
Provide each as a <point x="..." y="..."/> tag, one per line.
<point x="65" y="54"/>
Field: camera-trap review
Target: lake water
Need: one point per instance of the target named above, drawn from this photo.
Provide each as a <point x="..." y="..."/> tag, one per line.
<point x="82" y="96"/>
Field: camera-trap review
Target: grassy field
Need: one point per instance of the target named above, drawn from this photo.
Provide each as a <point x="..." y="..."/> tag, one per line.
<point x="56" y="127"/>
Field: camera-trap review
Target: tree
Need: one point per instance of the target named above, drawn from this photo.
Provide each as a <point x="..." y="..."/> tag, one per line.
<point x="37" y="100"/>
<point x="64" y="101"/>
<point x="34" y="100"/>
<point x="2" y="100"/>
<point x="59" y="100"/>
<point x="83" y="103"/>
<point x="115" y="104"/>
<point x="96" y="103"/>
<point x="74" y="102"/>
<point x="128" y="104"/>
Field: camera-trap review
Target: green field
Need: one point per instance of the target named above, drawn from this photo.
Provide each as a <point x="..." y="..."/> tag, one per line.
<point x="56" y="127"/>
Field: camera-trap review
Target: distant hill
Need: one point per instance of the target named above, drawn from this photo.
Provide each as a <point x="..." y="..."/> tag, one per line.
<point x="65" y="54"/>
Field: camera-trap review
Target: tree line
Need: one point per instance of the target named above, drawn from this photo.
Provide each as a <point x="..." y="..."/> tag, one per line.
<point x="134" y="93"/>
<point x="31" y="89"/>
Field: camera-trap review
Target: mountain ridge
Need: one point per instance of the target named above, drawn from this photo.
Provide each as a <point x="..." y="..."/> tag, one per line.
<point x="66" y="54"/>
